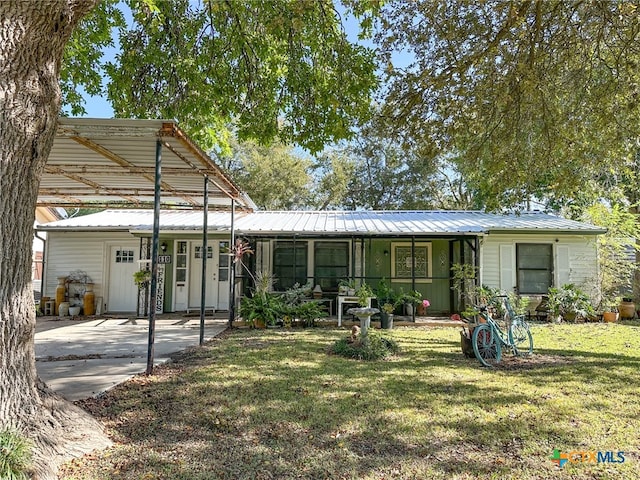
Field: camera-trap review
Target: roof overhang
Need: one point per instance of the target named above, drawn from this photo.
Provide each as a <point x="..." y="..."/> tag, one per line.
<point x="111" y="163"/>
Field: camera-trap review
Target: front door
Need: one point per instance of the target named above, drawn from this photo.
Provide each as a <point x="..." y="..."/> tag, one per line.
<point x="223" y="274"/>
<point x="195" y="276"/>
<point x="123" y="293"/>
<point x="188" y="275"/>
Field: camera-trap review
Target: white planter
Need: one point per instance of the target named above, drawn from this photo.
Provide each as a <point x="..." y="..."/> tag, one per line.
<point x="63" y="309"/>
<point x="73" y="311"/>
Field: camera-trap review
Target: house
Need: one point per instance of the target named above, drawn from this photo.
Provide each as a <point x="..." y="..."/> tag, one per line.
<point x="412" y="250"/>
<point x="43" y="215"/>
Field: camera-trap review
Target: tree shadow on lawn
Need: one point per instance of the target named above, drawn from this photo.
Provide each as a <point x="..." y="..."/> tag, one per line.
<point x="308" y="415"/>
<point x="304" y="414"/>
<point x="253" y="436"/>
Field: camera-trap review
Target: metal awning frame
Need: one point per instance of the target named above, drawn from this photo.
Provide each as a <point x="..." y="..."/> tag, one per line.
<point x="89" y="166"/>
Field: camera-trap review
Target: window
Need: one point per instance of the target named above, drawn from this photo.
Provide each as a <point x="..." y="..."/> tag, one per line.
<point x="331" y="264"/>
<point x="124" y="256"/>
<point x="198" y="252"/>
<point x="181" y="261"/>
<point x="403" y="263"/>
<point x="534" y="265"/>
<point x="289" y="264"/>
<point x="223" y="261"/>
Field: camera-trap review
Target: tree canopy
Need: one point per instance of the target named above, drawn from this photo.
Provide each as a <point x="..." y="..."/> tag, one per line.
<point x="275" y="176"/>
<point x="282" y="68"/>
<point x="531" y="98"/>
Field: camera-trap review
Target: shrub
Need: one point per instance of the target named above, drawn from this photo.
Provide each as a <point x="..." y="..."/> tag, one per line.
<point x="372" y="347"/>
<point x="15" y="456"/>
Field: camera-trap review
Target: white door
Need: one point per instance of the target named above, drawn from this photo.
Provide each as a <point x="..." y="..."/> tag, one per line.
<point x="217" y="289"/>
<point x="224" y="261"/>
<point x="181" y="289"/>
<point x="123" y="293"/>
<point x="195" y="276"/>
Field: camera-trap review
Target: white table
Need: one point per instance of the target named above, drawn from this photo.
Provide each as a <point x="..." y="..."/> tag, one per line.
<point x="345" y="299"/>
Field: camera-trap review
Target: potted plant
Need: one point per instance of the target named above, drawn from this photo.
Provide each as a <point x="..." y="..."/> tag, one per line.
<point x="626" y="307"/>
<point x="386" y="316"/>
<point x="309" y="312"/>
<point x="347" y="287"/>
<point x="343" y="287"/>
<point x="384" y="293"/>
<point x="409" y="300"/>
<point x="142" y="278"/>
<point x="569" y="302"/>
<point x="364" y="293"/>
<point x="296" y="294"/>
<point x="261" y="310"/>
<point x="422" y="307"/>
<point x="610" y="314"/>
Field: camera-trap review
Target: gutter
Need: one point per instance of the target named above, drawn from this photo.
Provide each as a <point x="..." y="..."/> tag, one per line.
<point x="44" y="256"/>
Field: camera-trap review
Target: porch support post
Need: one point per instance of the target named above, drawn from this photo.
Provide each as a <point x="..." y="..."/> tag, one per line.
<point x="232" y="269"/>
<point x="295" y="262"/>
<point x="353" y="258"/>
<point x="362" y="272"/>
<point x="476" y="251"/>
<point x="413" y="273"/>
<point x="203" y="287"/>
<point x="154" y="257"/>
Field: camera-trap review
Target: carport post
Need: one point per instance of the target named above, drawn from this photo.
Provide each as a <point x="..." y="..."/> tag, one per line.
<point x="154" y="258"/>
<point x="203" y="287"/>
<point x="232" y="269"/>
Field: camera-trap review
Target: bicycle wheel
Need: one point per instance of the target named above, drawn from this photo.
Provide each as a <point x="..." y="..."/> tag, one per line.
<point x="521" y="338"/>
<point x="486" y="345"/>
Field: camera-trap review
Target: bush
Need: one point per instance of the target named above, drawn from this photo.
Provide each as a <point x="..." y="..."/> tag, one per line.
<point x="15" y="456"/>
<point x="373" y="347"/>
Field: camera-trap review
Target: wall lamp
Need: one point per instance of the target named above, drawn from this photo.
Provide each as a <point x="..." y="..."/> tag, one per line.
<point x="163" y="247"/>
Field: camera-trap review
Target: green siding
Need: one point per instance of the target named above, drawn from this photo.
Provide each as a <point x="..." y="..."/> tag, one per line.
<point x="378" y="265"/>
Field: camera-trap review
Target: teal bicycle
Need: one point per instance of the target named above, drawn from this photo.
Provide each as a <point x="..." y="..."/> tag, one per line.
<point x="489" y="339"/>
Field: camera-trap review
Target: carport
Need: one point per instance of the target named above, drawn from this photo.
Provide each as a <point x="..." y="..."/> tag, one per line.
<point x="130" y="163"/>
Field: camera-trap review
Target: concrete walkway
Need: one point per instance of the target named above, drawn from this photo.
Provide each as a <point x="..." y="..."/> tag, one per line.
<point x="84" y="359"/>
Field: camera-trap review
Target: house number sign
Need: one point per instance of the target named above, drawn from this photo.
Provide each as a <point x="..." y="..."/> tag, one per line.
<point x="163" y="259"/>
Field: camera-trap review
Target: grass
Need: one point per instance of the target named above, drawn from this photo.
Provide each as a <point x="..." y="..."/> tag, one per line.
<point x="273" y="404"/>
<point x="15" y="456"/>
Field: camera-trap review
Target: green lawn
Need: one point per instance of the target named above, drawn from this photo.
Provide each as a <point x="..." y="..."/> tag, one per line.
<point x="272" y="404"/>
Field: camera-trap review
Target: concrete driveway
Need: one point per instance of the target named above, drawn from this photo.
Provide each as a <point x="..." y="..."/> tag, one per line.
<point x="84" y="359"/>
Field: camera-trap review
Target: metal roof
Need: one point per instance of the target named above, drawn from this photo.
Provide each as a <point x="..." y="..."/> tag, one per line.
<point x="111" y="163"/>
<point x="134" y="220"/>
<point x="374" y="223"/>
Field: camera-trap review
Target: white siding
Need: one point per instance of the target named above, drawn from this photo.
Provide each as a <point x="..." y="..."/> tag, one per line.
<point x="580" y="269"/>
<point x="86" y="251"/>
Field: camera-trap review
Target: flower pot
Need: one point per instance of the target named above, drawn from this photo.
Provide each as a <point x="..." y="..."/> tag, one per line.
<point x="89" y="300"/>
<point x="408" y="309"/>
<point x="466" y="345"/>
<point x="627" y="309"/>
<point x="63" y="309"/>
<point x="74" y="311"/>
<point x="259" y="323"/>
<point x="610" y="316"/>
<point x="60" y="295"/>
<point x="386" y="321"/>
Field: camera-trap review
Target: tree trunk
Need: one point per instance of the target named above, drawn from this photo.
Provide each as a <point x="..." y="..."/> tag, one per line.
<point x="33" y="35"/>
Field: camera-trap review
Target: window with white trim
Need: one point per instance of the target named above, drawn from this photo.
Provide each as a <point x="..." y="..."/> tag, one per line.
<point x="534" y="267"/>
<point x="124" y="256"/>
